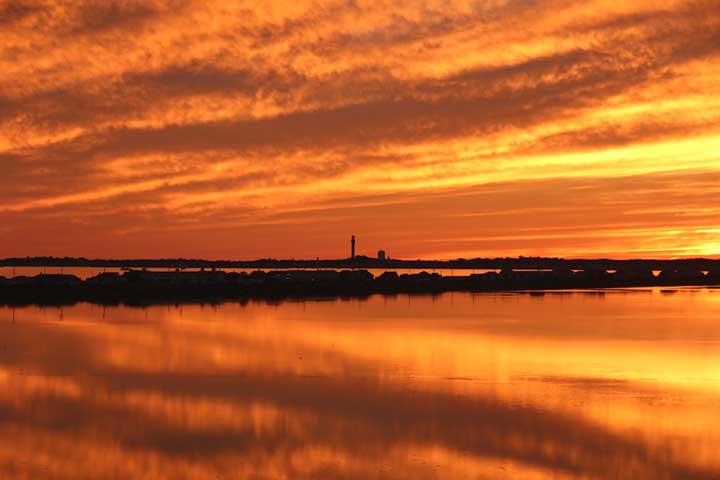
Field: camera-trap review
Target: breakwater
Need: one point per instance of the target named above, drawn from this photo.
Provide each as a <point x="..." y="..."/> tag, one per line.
<point x="143" y="286"/>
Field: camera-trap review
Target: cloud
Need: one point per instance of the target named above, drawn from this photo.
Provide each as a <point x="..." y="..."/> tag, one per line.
<point x="14" y="12"/>
<point x="174" y="102"/>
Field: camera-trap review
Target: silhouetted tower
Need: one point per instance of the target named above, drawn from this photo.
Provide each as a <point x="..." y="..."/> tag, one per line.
<point x="352" y="247"/>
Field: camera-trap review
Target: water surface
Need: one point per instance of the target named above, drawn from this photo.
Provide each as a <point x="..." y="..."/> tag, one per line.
<point x="601" y="384"/>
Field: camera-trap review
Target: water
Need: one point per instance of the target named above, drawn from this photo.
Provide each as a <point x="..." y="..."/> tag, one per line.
<point x="603" y="384"/>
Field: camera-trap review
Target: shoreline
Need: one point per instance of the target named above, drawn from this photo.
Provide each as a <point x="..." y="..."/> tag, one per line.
<point x="142" y="287"/>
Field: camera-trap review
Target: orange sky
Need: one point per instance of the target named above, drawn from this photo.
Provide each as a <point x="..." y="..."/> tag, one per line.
<point x="428" y="128"/>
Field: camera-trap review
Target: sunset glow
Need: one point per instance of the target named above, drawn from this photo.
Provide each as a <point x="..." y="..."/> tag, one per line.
<point x="434" y="129"/>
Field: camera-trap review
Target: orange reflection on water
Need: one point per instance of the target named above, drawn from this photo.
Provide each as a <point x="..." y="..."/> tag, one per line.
<point x="622" y="383"/>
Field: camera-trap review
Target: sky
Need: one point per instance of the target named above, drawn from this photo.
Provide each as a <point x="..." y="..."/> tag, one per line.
<point x="431" y="129"/>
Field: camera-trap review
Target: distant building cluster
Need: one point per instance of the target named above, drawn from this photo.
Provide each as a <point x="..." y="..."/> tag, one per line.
<point x="381" y="255"/>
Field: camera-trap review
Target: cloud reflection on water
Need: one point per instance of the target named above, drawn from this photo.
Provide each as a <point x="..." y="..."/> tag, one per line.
<point x="286" y="392"/>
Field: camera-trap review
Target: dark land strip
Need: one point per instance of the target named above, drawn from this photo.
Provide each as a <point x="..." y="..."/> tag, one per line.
<point x="142" y="287"/>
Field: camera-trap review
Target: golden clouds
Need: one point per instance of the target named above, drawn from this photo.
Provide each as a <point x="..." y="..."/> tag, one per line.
<point x="237" y="114"/>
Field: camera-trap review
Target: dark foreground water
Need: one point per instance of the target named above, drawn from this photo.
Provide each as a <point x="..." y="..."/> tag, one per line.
<point x="614" y="384"/>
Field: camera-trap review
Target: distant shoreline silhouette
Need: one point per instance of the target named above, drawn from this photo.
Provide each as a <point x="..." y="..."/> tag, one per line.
<point x="359" y="261"/>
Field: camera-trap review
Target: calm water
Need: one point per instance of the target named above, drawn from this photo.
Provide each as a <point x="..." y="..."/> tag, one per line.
<point x="616" y="384"/>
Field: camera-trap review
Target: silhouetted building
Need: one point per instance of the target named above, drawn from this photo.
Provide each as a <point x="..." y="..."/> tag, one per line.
<point x="381" y="255"/>
<point x="352" y="247"/>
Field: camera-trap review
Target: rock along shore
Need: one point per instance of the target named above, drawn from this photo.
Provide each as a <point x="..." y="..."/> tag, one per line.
<point x="144" y="287"/>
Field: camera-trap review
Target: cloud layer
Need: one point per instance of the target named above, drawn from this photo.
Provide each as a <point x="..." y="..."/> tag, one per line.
<point x="185" y="128"/>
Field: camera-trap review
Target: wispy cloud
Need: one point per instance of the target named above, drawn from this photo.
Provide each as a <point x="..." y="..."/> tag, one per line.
<point x="208" y="113"/>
